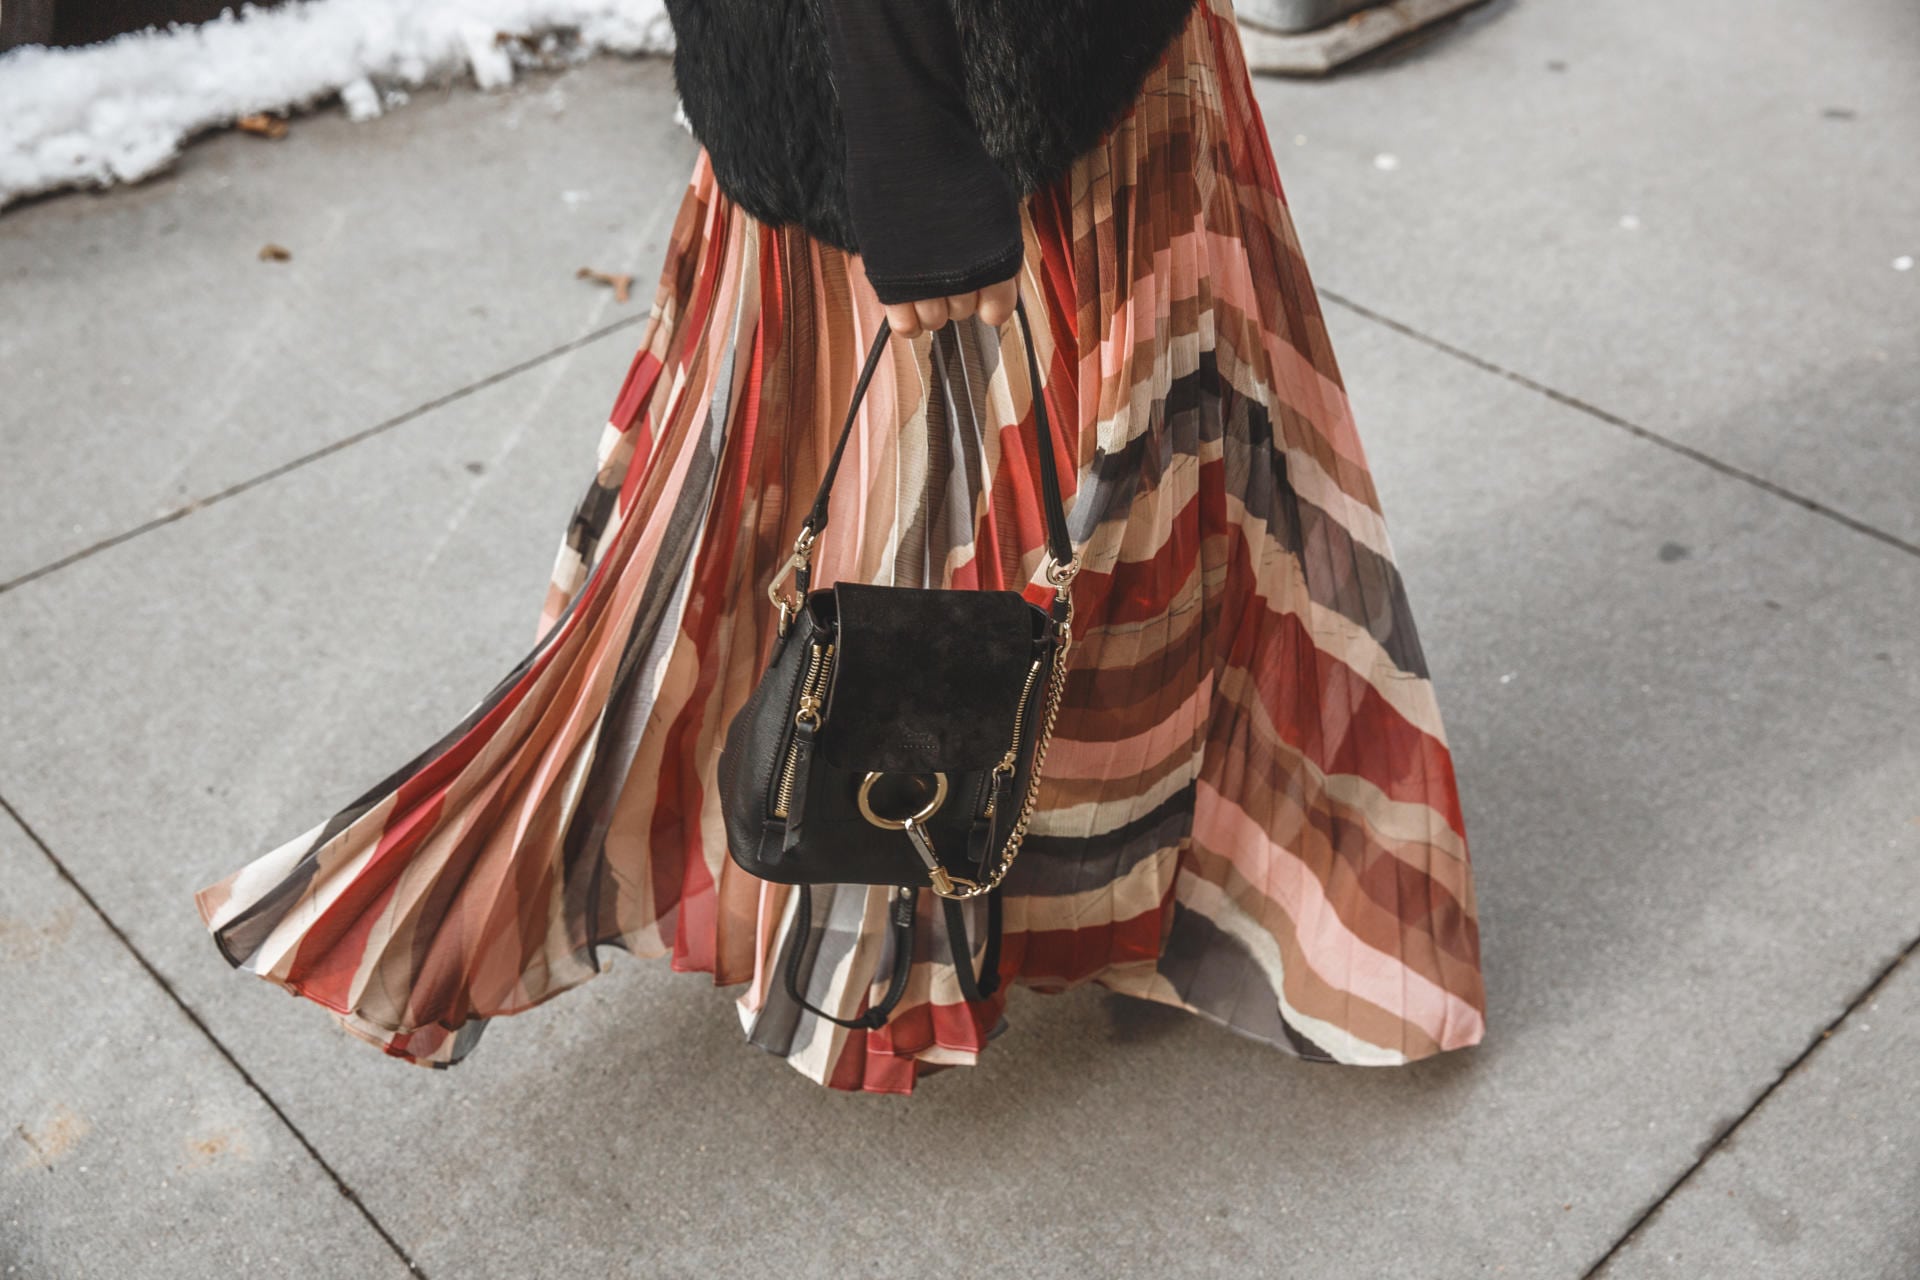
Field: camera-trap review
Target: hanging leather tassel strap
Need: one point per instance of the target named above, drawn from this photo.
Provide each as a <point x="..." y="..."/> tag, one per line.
<point x="900" y="918"/>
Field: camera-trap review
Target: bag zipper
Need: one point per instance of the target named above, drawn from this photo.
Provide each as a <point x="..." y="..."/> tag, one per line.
<point x="1011" y="761"/>
<point x="806" y="716"/>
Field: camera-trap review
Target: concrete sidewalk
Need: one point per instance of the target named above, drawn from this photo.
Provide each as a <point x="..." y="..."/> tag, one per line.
<point x="1614" y="289"/>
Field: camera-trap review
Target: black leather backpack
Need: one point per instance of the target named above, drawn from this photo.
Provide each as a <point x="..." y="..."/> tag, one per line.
<point x="898" y="734"/>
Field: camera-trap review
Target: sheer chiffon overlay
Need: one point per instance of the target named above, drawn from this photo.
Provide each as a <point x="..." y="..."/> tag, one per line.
<point x="1249" y="809"/>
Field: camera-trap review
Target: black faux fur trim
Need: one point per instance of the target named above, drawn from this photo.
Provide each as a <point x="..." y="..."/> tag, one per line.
<point x="1045" y="79"/>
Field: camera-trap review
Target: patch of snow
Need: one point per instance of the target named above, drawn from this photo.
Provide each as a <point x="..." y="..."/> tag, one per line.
<point x="492" y="68"/>
<point x="120" y="111"/>
<point x="361" y="100"/>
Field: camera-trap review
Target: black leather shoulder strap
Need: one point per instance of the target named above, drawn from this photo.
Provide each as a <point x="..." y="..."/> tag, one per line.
<point x="900" y="924"/>
<point x="989" y="980"/>
<point x="1059" y="542"/>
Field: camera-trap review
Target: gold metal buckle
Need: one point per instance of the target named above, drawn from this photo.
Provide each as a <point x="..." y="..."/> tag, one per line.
<point x="948" y="885"/>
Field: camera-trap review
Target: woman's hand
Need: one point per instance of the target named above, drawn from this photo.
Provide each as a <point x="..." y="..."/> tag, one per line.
<point x="994" y="304"/>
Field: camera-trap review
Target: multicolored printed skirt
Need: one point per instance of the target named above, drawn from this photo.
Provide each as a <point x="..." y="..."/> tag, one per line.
<point x="1249" y="809"/>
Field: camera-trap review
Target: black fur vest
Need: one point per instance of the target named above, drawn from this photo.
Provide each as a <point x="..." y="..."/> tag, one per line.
<point x="1044" y="80"/>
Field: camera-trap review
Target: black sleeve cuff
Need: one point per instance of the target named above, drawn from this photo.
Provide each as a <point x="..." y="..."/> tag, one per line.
<point x="913" y="286"/>
<point x="932" y="211"/>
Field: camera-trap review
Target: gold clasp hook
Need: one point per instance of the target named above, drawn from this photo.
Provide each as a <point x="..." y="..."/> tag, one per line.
<point x="802" y="558"/>
<point x="943" y="882"/>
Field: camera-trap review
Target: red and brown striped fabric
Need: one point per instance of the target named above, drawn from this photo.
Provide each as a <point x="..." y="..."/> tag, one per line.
<point x="1249" y="808"/>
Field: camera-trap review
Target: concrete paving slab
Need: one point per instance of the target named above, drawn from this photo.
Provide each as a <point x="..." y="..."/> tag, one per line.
<point x="444" y="531"/>
<point x="1821" y="1180"/>
<point x="1676" y="703"/>
<point x="132" y="1147"/>
<point x="152" y="358"/>
<point x="1689" y="215"/>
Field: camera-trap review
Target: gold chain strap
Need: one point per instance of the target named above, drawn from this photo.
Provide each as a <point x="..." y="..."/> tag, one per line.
<point x="944" y="883"/>
<point x="958" y="888"/>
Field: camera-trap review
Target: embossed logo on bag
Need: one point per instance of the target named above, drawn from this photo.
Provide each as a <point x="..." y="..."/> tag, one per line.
<point x="915" y="740"/>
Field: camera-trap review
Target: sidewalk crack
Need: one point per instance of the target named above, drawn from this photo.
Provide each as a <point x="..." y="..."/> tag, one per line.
<point x="339" y="1182"/>
<point x="1727" y="1131"/>
<point x="324" y="451"/>
<point x="1631" y="428"/>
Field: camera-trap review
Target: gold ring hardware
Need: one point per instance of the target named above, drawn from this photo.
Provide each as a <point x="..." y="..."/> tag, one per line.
<point x="900" y="824"/>
<point x="1059" y="575"/>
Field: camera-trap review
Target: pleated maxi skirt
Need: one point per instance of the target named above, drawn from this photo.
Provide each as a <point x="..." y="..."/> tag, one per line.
<point x="1249" y="809"/>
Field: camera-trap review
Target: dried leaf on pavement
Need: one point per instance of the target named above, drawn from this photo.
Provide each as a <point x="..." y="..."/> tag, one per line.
<point x="275" y="253"/>
<point x="622" y="285"/>
<point x="262" y="125"/>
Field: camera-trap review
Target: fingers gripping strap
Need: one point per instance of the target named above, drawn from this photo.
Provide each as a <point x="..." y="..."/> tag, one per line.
<point x="1059" y="543"/>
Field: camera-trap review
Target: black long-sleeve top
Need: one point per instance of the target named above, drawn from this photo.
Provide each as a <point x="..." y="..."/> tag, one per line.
<point x="934" y="213"/>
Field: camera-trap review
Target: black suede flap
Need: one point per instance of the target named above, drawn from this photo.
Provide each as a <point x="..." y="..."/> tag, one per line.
<point x="926" y="679"/>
